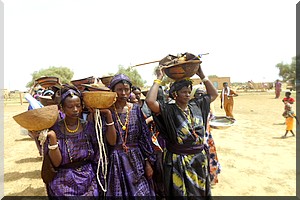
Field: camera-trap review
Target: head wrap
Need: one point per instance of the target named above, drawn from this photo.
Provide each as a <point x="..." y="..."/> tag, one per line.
<point x="71" y="93"/>
<point x="200" y="88"/>
<point x="117" y="79"/>
<point x="178" y="85"/>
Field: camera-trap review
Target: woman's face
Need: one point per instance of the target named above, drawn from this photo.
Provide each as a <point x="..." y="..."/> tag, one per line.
<point x="57" y="97"/>
<point x="123" y="91"/>
<point x="183" y="95"/>
<point x="137" y="94"/>
<point x="72" y="107"/>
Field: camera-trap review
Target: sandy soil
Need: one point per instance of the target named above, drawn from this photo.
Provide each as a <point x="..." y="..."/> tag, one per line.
<point x="255" y="160"/>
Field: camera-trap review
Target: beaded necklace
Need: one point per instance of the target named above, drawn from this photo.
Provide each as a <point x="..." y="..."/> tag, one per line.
<point x="189" y="118"/>
<point x="119" y="120"/>
<point x="124" y="128"/>
<point x="69" y="130"/>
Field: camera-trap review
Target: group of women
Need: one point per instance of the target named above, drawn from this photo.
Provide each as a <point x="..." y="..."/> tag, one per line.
<point x="155" y="149"/>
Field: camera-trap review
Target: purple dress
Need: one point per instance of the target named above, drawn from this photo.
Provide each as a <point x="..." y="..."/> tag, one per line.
<point x="126" y="174"/>
<point x="75" y="181"/>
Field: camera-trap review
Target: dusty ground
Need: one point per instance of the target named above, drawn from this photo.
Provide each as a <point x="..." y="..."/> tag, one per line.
<point x="255" y="160"/>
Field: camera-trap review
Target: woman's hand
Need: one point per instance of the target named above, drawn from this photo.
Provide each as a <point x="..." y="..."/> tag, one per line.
<point x="105" y="112"/>
<point x="160" y="72"/>
<point x="200" y="72"/>
<point x="148" y="170"/>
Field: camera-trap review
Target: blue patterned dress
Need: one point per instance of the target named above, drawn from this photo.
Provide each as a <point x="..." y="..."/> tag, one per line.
<point x="79" y="181"/>
<point x="126" y="174"/>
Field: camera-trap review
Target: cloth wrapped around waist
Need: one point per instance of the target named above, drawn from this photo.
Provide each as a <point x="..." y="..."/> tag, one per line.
<point x="186" y="149"/>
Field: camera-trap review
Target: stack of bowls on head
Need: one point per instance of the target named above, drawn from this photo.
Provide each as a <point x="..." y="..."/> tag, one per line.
<point x="181" y="66"/>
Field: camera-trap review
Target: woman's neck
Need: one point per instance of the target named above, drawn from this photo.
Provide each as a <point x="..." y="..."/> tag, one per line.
<point x="183" y="106"/>
<point x="71" y="121"/>
<point x="121" y="104"/>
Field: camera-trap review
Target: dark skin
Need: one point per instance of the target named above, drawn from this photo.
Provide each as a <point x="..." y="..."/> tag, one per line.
<point x="123" y="92"/>
<point x="225" y="85"/>
<point x="182" y="96"/>
<point x="72" y="107"/>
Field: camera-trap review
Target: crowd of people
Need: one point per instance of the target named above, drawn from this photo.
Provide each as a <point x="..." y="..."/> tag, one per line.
<point x="157" y="147"/>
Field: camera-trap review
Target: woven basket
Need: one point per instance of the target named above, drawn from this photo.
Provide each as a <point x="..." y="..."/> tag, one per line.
<point x="182" y="70"/>
<point x="106" y="80"/>
<point x="38" y="119"/>
<point x="99" y="99"/>
<point x="46" y="100"/>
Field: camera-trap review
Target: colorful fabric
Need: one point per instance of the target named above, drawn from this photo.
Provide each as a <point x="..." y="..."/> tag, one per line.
<point x="79" y="181"/>
<point x="118" y="78"/>
<point x="289" y="121"/>
<point x="277" y="89"/>
<point x="227" y="102"/>
<point x="290" y="100"/>
<point x="126" y="174"/>
<point x="185" y="174"/>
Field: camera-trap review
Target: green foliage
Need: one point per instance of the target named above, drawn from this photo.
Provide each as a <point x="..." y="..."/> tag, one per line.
<point x="64" y="74"/>
<point x="288" y="71"/>
<point x="133" y="74"/>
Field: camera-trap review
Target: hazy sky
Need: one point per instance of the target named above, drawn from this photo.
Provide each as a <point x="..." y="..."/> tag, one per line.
<point x="244" y="39"/>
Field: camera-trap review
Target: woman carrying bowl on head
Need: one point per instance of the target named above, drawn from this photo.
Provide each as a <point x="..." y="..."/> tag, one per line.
<point x="131" y="159"/>
<point x="73" y="148"/>
<point x="183" y="125"/>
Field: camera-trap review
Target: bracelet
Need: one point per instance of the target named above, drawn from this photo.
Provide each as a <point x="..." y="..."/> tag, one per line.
<point x="53" y="147"/>
<point x="204" y="79"/>
<point x="110" y="124"/>
<point x="157" y="81"/>
<point x="146" y="158"/>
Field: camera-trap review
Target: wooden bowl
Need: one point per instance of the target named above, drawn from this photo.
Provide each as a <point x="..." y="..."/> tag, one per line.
<point x="78" y="83"/>
<point x="99" y="99"/>
<point x="46" y="100"/>
<point x="106" y="80"/>
<point x="221" y="122"/>
<point x="38" y="119"/>
<point x="182" y="70"/>
<point x="47" y="81"/>
<point x="95" y="87"/>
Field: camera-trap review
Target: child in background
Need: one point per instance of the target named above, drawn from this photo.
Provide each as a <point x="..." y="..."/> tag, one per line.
<point x="289" y="119"/>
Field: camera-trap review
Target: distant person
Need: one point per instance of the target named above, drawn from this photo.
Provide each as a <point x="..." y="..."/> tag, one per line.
<point x="289" y="119"/>
<point x="227" y="99"/>
<point x="288" y="98"/>
<point x="277" y="88"/>
<point x="138" y="92"/>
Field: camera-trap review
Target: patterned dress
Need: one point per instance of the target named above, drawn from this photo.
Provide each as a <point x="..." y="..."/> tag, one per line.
<point x="186" y="165"/>
<point x="78" y="181"/>
<point x="126" y="175"/>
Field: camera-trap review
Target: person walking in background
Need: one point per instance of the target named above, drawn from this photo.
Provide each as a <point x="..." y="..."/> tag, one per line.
<point x="227" y="99"/>
<point x="288" y="98"/>
<point x="131" y="159"/>
<point x="183" y="125"/>
<point x="289" y="119"/>
<point x="277" y="88"/>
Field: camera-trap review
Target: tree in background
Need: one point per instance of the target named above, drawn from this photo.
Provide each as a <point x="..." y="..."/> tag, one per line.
<point x="288" y="71"/>
<point x="133" y="74"/>
<point x="64" y="74"/>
